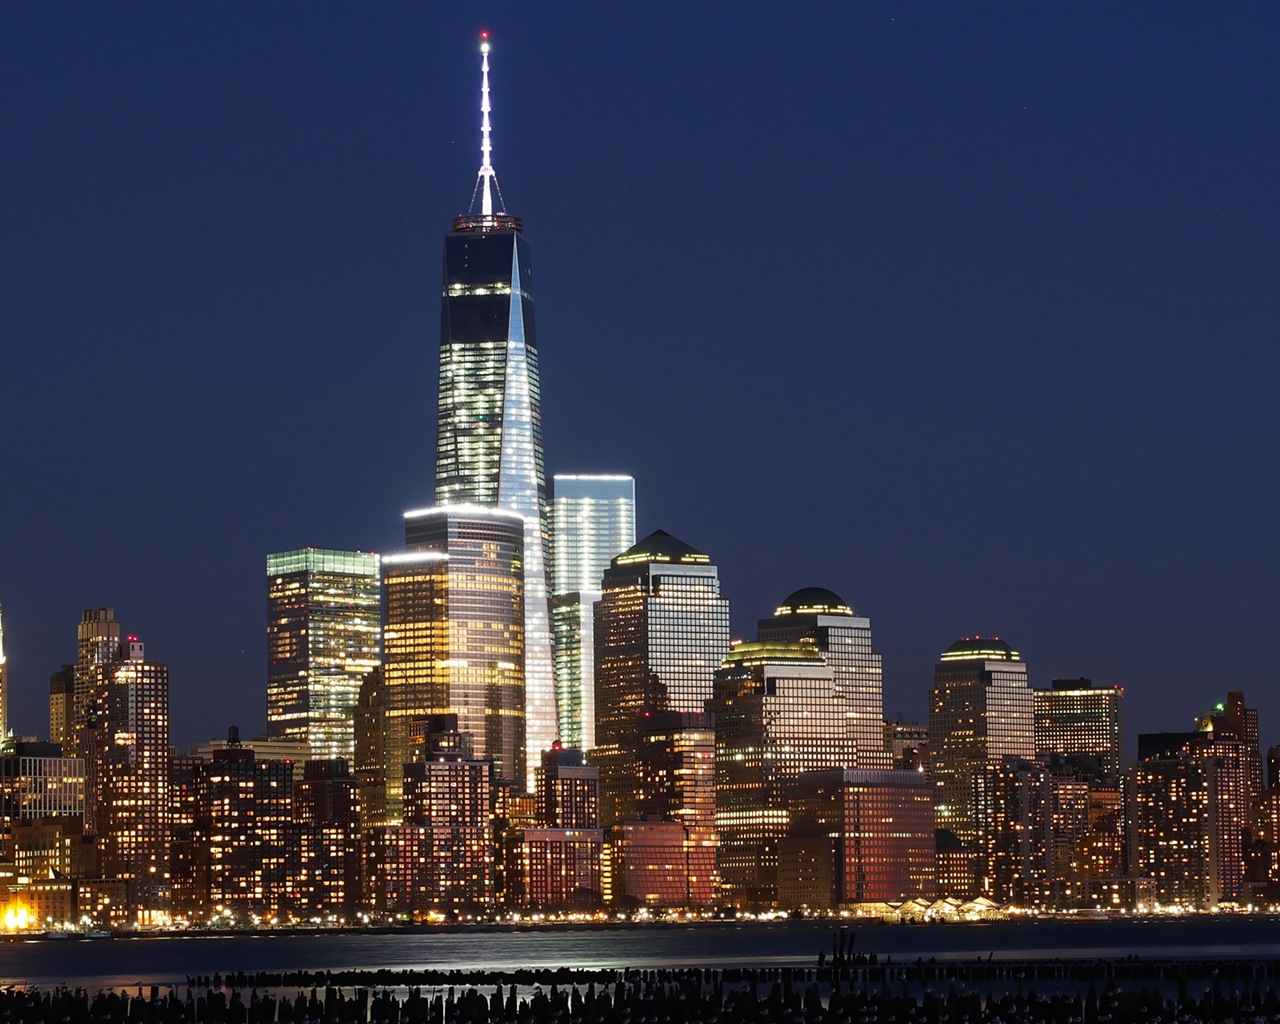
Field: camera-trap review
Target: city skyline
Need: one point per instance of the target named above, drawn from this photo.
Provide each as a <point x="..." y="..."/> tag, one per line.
<point x="1107" y="487"/>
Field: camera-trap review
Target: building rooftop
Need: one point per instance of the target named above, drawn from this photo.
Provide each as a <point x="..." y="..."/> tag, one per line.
<point x="814" y="601"/>
<point x="660" y="546"/>
<point x="980" y="648"/>
<point x="759" y="652"/>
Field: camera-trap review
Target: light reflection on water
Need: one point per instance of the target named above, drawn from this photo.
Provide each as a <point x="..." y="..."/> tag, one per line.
<point x="125" y="963"/>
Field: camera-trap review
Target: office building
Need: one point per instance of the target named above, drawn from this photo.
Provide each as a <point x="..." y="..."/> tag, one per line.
<point x="98" y="643"/>
<point x="1240" y="721"/>
<point x="777" y="714"/>
<point x="858" y="836"/>
<point x="659" y="864"/>
<point x="675" y="768"/>
<point x="489" y="413"/>
<point x="593" y="518"/>
<point x="1014" y="806"/>
<point x="980" y="712"/>
<point x="824" y="619"/>
<point x="323" y="638"/>
<point x="661" y="632"/>
<point x="62" y="695"/>
<point x="1082" y="724"/>
<point x="454" y="637"/>
<point x="568" y="790"/>
<point x="38" y="784"/>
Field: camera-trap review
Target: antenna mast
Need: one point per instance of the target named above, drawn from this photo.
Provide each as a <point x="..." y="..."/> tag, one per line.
<point x="487" y="173"/>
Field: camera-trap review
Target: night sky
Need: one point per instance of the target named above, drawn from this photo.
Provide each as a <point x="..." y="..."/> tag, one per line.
<point x="968" y="313"/>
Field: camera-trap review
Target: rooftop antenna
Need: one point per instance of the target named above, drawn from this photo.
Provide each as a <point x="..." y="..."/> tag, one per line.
<point x="487" y="181"/>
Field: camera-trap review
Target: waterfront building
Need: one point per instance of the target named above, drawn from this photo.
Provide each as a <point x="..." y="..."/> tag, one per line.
<point x="568" y="791"/>
<point x="1172" y="829"/>
<point x="454" y="636"/>
<point x="661" y="632"/>
<point x="489" y="413"/>
<point x="129" y="800"/>
<point x="62" y="691"/>
<point x="858" y="836"/>
<point x="659" y="864"/>
<point x="980" y="711"/>
<point x="1014" y="805"/>
<point x="777" y="713"/>
<point x="593" y="518"/>
<point x="243" y="814"/>
<point x="552" y="869"/>
<point x="38" y="784"/>
<point x="1083" y="724"/>
<point x="323" y="638"/>
<point x="324" y="855"/>
<point x="824" y="619"/>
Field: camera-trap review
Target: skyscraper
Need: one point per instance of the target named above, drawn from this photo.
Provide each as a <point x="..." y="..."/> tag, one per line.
<point x="777" y="713"/>
<point x="323" y="638"/>
<point x="98" y="641"/>
<point x="593" y="518"/>
<point x="980" y="711"/>
<point x="817" y="615"/>
<point x="453" y="638"/>
<point x="1083" y="723"/>
<point x="4" y="690"/>
<point x="489" y="416"/>
<point x="661" y="632"/>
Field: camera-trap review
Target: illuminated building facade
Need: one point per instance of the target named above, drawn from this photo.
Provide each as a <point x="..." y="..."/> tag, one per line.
<point x="659" y="864"/>
<point x="324" y="856"/>
<point x="130" y="801"/>
<point x="907" y="744"/>
<point x="240" y="836"/>
<point x="1240" y="721"/>
<point x="98" y="642"/>
<point x="777" y="714"/>
<point x="980" y="711"/>
<point x="489" y="413"/>
<point x="553" y="868"/>
<point x="568" y="790"/>
<point x="62" y="695"/>
<point x="323" y="637"/>
<point x="38" y="785"/>
<point x="1014" y="808"/>
<point x="1172" y="832"/>
<point x="593" y="519"/>
<point x="1083" y="724"/>
<point x="823" y="618"/>
<point x="675" y="768"/>
<point x="661" y="632"/>
<point x="858" y="836"/>
<point x="454" y="636"/>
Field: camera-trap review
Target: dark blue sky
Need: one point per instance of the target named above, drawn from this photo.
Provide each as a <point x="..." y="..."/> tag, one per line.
<point x="966" y="312"/>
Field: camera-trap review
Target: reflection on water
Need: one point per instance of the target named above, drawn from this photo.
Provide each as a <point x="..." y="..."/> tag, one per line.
<point x="119" y="963"/>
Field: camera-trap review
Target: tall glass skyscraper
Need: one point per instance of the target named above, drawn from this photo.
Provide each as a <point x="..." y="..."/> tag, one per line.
<point x="980" y="712"/>
<point x="489" y="416"/>
<point x="661" y="632"/>
<point x="593" y="518"/>
<point x="323" y="638"/>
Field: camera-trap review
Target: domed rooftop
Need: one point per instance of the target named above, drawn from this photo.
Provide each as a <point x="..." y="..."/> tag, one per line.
<point x="980" y="648"/>
<point x="814" y="601"/>
<point x="660" y="546"/>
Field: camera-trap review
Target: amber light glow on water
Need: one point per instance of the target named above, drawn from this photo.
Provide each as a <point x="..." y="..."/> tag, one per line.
<point x="126" y="962"/>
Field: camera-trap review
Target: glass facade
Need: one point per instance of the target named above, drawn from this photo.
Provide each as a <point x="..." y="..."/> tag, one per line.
<point x="593" y="518"/>
<point x="661" y="632"/>
<point x="1083" y="724"/>
<point x="489" y="423"/>
<point x="777" y="714"/>
<point x="453" y="638"/>
<point x="844" y="639"/>
<point x="980" y="711"/>
<point x="323" y="638"/>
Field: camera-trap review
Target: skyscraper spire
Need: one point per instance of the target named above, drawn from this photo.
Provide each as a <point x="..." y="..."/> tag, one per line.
<point x="487" y="182"/>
